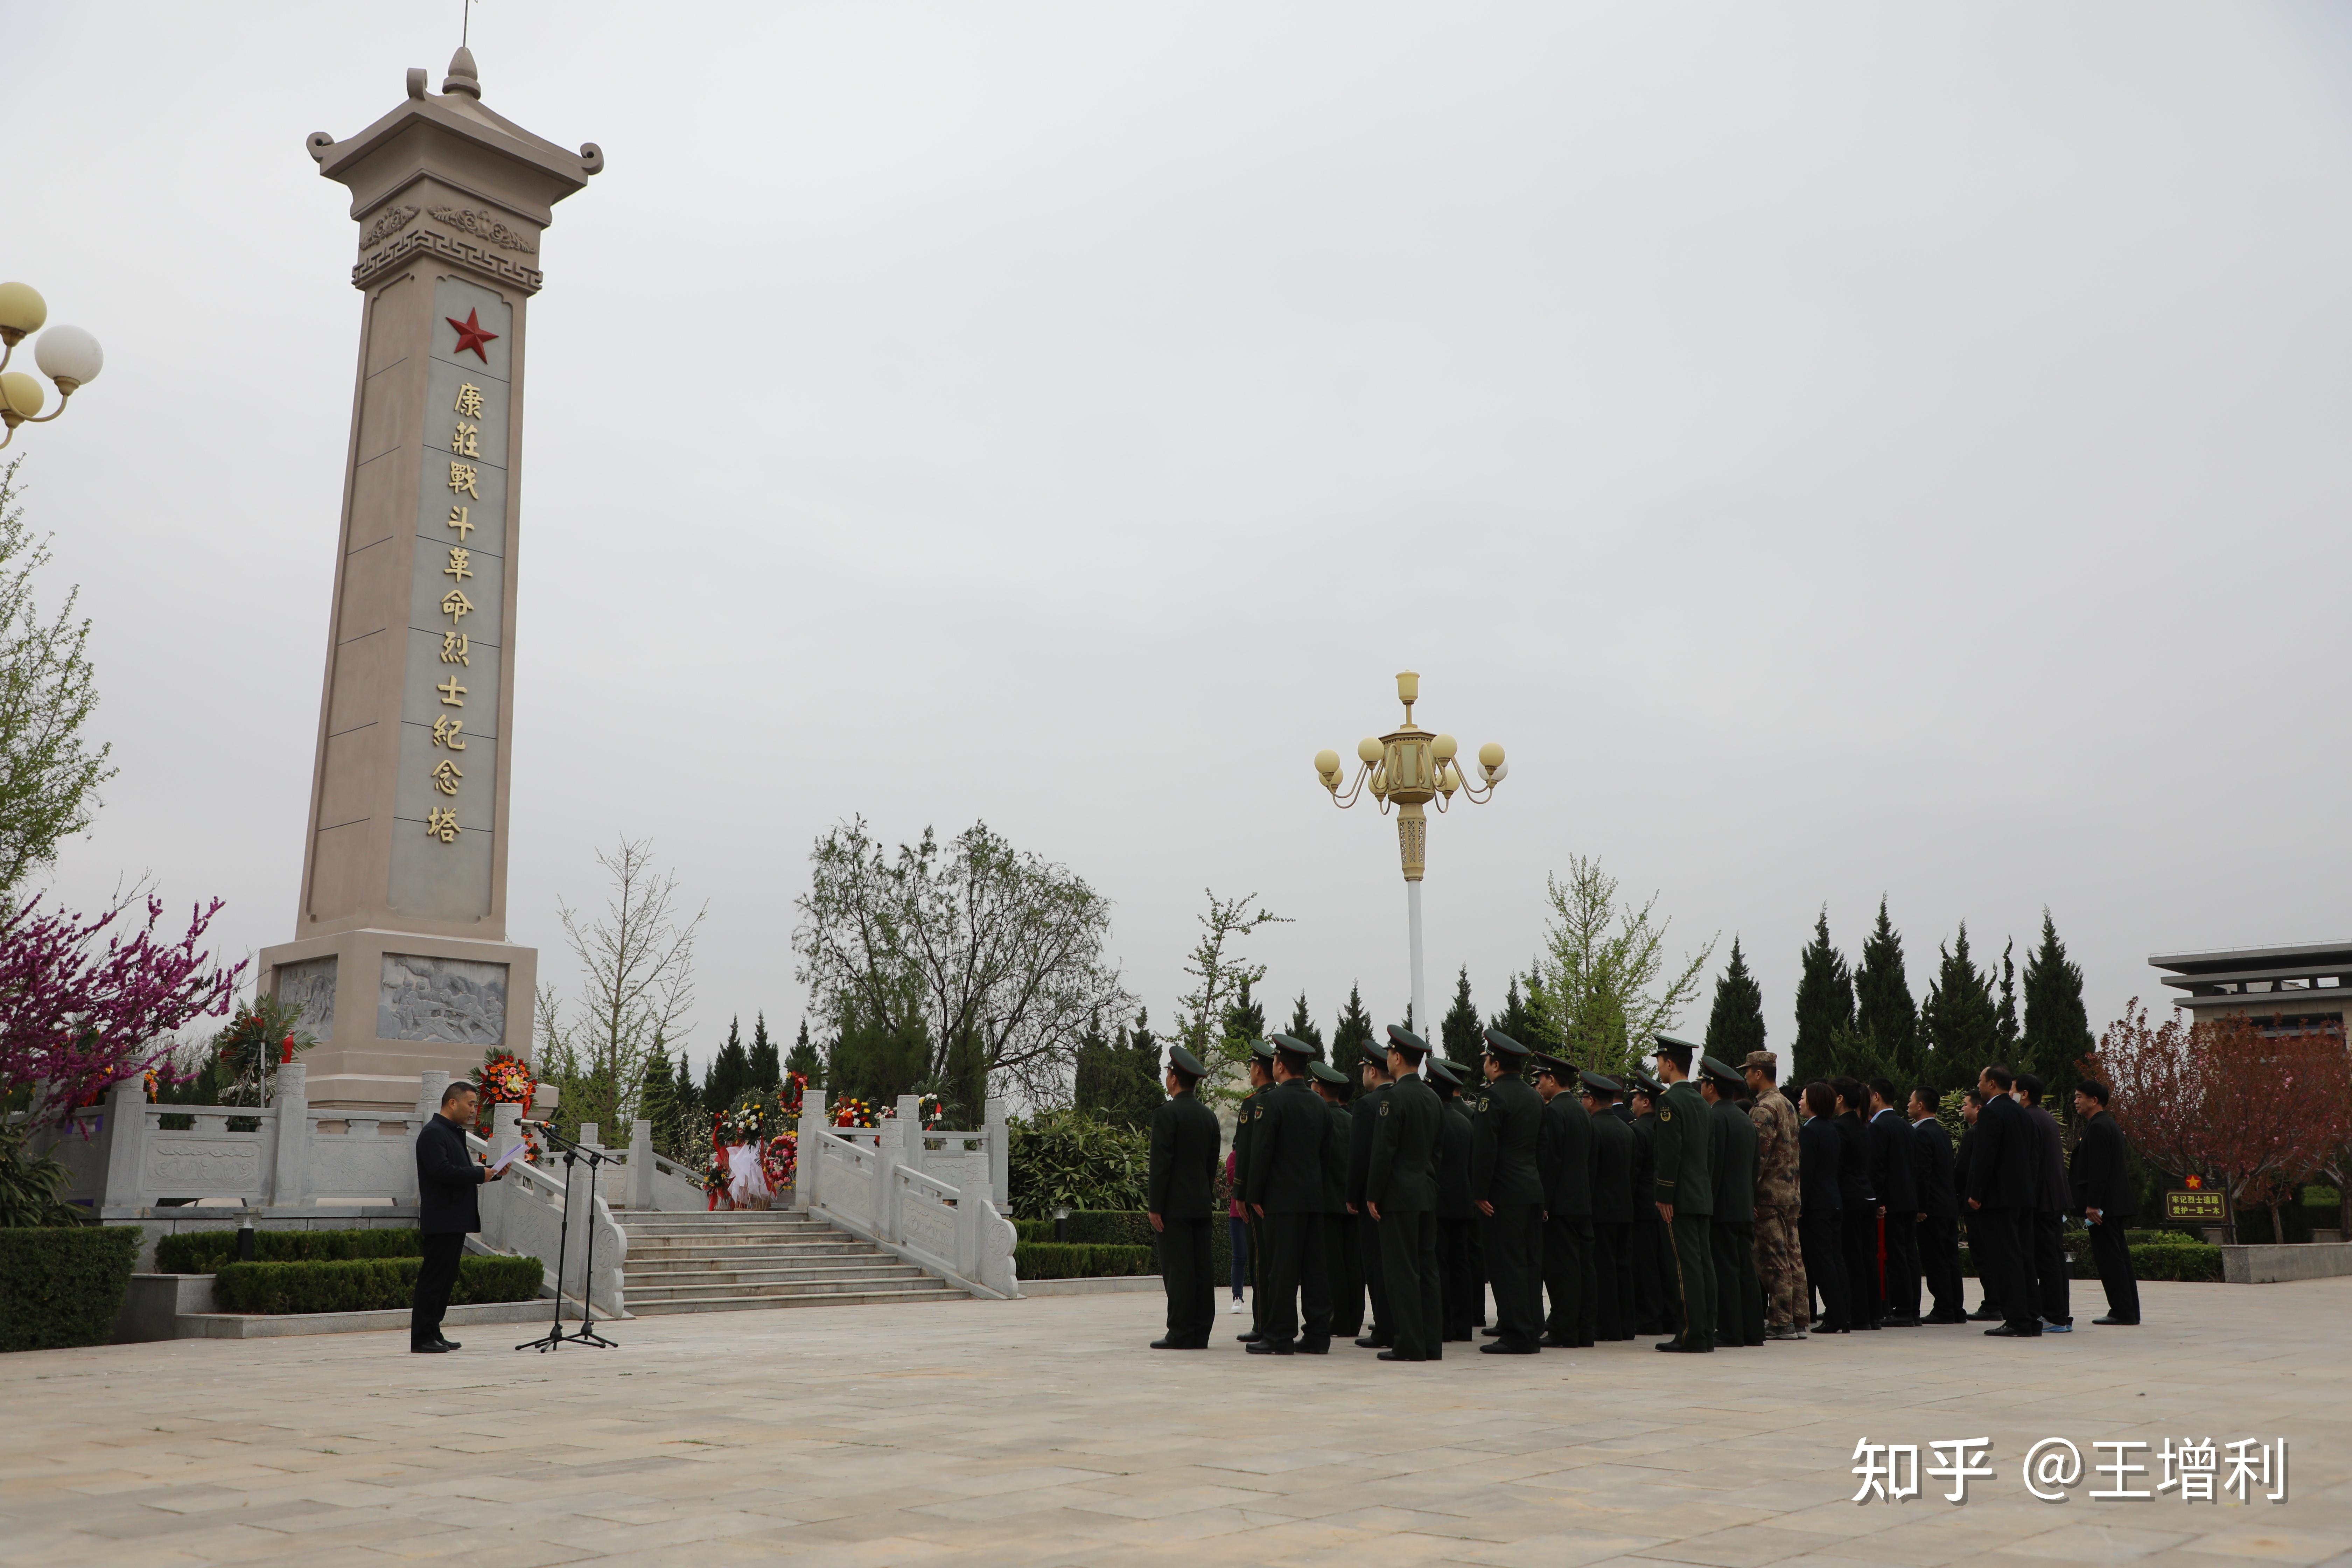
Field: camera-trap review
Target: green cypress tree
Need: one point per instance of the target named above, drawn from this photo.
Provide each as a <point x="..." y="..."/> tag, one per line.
<point x="1736" y="1025"/>
<point x="1462" y="1037"/>
<point x="803" y="1060"/>
<point x="1143" y="1091"/>
<point x="1091" y="1072"/>
<point x="1353" y="1030"/>
<point x="1884" y="1011"/>
<point x="1960" y="1025"/>
<point x="1302" y="1024"/>
<point x="765" y="1071"/>
<point x="1245" y="1018"/>
<point x="2005" y="1031"/>
<point x="1825" y="1007"/>
<point x="730" y="1070"/>
<point x="654" y="1100"/>
<point x="2057" y="1026"/>
<point x="1517" y="1019"/>
<point x="690" y="1120"/>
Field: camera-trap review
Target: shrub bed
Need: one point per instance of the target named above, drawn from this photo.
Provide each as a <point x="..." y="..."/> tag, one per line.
<point x="1081" y="1260"/>
<point x="1126" y="1231"/>
<point x="204" y="1251"/>
<point x="2192" y="1261"/>
<point x="364" y="1284"/>
<point x="63" y="1285"/>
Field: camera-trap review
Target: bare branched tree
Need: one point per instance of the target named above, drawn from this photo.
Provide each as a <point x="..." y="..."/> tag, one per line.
<point x="636" y="959"/>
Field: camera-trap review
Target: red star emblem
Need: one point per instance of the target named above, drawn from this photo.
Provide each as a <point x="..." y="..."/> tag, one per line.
<point x="470" y="336"/>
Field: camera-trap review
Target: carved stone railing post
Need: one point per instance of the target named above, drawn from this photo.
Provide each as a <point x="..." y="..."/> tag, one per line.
<point x="291" y="1183"/>
<point x="641" y="1163"/>
<point x="909" y="1120"/>
<point x="804" y="1175"/>
<point x="429" y="1086"/>
<point x="126" y="1146"/>
<point x="1000" y="1155"/>
<point x="505" y="1132"/>
<point x="887" y="1150"/>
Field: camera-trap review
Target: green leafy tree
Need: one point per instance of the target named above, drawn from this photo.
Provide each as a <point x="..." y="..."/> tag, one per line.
<point x="1735" y="1025"/>
<point x="1958" y="1023"/>
<point x="50" y="774"/>
<point x="1461" y="1036"/>
<point x="993" y="956"/>
<point x="1883" y="1010"/>
<point x="2057" y="1026"/>
<point x="878" y="1055"/>
<point x="730" y="1070"/>
<point x="1354" y="1029"/>
<point x="766" y="1072"/>
<point x="1602" y="982"/>
<point x="803" y="1059"/>
<point x="1066" y="1159"/>
<point x="1824" y="1006"/>
<point x="1220" y="980"/>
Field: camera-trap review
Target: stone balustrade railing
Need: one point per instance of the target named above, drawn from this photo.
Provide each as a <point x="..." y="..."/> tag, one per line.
<point x="889" y="1185"/>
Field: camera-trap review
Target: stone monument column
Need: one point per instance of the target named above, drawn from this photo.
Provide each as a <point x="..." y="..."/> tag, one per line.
<point x="400" y="957"/>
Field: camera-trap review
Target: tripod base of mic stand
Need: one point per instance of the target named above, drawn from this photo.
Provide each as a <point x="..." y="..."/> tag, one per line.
<point x="585" y="1335"/>
<point x="582" y="1335"/>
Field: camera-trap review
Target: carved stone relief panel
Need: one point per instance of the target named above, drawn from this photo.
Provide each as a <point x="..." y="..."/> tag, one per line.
<point x="311" y="987"/>
<point x="454" y="1001"/>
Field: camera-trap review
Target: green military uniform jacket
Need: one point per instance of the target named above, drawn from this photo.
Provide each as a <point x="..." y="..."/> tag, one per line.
<point x="1405" y="1133"/>
<point x="1286" y="1138"/>
<point x="1183" y="1174"/>
<point x="1340" y="1128"/>
<point x="1503" y="1143"/>
<point x="1245" y="1120"/>
<point x="1683" y="1176"/>
<point x="1733" y="1154"/>
<point x="1454" y="1164"/>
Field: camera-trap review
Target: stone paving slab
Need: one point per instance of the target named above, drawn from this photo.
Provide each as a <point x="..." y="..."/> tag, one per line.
<point x="1042" y="1433"/>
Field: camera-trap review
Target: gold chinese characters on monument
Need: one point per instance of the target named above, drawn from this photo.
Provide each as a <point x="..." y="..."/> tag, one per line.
<point x="448" y="730"/>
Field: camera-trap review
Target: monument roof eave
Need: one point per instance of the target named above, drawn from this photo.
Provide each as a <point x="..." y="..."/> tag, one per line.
<point x="2315" y="955"/>
<point x="561" y="171"/>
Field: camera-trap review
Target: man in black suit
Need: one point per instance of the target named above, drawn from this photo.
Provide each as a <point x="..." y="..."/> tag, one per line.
<point x="1819" y="1229"/>
<point x="1898" y="1186"/>
<point x="1342" y="1267"/>
<point x="1613" y="1208"/>
<point x="1939" y="1211"/>
<point x="1564" y="1160"/>
<point x="1972" y="1108"/>
<point x="1400" y="1194"/>
<point x="2001" y="1191"/>
<point x="1858" y="1205"/>
<point x="1459" y="1291"/>
<point x="2103" y="1191"/>
<point x="1183" y="1186"/>
<point x="2053" y="1195"/>
<point x="1286" y="1190"/>
<point x="448" y="1183"/>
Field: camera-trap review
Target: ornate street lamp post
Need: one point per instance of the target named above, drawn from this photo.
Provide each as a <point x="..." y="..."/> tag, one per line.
<point x="1407" y="768"/>
<point x="67" y="355"/>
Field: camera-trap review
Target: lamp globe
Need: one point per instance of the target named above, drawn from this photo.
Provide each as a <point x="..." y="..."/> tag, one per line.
<point x="68" y="356"/>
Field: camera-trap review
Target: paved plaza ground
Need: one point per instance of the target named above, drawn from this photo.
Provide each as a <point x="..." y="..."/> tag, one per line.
<point x="1042" y="1432"/>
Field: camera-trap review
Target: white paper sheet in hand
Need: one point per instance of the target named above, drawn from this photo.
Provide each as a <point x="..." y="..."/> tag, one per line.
<point x="511" y="1157"/>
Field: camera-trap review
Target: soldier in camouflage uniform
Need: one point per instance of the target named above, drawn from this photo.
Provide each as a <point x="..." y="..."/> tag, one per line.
<point x="1779" y="1263"/>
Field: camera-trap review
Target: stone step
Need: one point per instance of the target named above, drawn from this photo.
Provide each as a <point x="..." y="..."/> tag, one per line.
<point x="670" y="1266"/>
<point x="634" y="1283"/>
<point x="688" y="1291"/>
<point x="757" y="1303"/>
<point x="842" y="1247"/>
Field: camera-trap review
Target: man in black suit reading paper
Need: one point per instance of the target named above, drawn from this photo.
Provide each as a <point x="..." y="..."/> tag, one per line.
<point x="447" y="1182"/>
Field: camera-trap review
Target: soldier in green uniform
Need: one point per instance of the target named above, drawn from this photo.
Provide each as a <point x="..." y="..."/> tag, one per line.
<point x="1470" y="1076"/>
<point x="1738" y="1295"/>
<point x="1245" y="1120"/>
<point x="1182" y="1187"/>
<point x="1457" y="1216"/>
<point x="1657" y="1302"/>
<point x="1613" y="1208"/>
<point x="1340" y="1264"/>
<point x="1509" y="1195"/>
<point x="1564" y="1160"/>
<point x="1286" y="1190"/>
<point x="1365" y="1108"/>
<point x="1400" y="1194"/>
<point x="1684" y="1191"/>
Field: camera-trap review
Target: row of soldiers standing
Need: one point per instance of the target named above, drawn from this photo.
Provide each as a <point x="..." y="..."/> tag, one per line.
<point x="1645" y="1205"/>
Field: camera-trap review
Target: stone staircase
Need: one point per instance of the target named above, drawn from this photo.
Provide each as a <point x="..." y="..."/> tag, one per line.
<point x="688" y="1262"/>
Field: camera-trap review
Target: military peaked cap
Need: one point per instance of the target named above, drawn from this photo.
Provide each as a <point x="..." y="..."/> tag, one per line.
<point x="1183" y="1061"/>
<point x="1325" y="1072"/>
<point x="1644" y="1084"/>
<point x="1723" y="1072"/>
<point x="1407" y="1042"/>
<point x="1553" y="1068"/>
<point x="1677" y="1051"/>
<point x="1262" y="1049"/>
<point x="1293" y="1046"/>
<point x="1602" y="1084"/>
<point x="1376" y="1054"/>
<point x="1442" y="1076"/>
<point x="1502" y="1045"/>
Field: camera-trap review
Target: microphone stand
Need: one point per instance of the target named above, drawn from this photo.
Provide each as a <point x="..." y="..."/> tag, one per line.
<point x="585" y="1335"/>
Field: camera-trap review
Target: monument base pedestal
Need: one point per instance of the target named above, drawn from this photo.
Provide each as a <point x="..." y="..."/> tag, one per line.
<point x="389" y="1007"/>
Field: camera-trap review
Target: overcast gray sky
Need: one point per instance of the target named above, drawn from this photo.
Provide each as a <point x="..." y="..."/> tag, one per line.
<point x="1837" y="449"/>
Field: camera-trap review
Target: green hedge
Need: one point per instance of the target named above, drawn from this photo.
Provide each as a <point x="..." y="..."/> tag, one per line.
<point x="1081" y="1260"/>
<point x="2192" y="1261"/>
<point x="365" y="1284"/>
<point x="1125" y="1232"/>
<point x="204" y="1251"/>
<point x="63" y="1285"/>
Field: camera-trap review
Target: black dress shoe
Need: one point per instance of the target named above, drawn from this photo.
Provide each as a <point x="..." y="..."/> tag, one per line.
<point x="1391" y="1355"/>
<point x="2009" y="1332"/>
<point x="1490" y="1333"/>
<point x="1684" y="1347"/>
<point x="1270" y="1347"/>
<point x="1373" y="1342"/>
<point x="449" y="1344"/>
<point x="1315" y="1347"/>
<point x="1504" y="1347"/>
<point x="434" y="1348"/>
<point x="2114" y="1322"/>
<point x="1549" y="1343"/>
<point x="1247" y="1336"/>
<point x="1983" y="1315"/>
<point x="1171" y="1344"/>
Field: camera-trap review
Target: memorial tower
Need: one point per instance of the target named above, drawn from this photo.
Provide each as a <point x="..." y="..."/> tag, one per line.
<point x="400" y="957"/>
